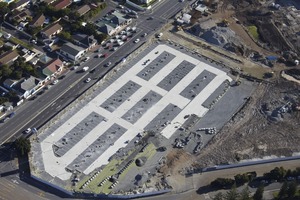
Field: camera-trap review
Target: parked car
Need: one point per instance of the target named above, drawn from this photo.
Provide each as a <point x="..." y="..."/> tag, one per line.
<point x="86" y="59"/>
<point x="55" y="82"/>
<point x="137" y="40"/>
<point x="33" y="41"/>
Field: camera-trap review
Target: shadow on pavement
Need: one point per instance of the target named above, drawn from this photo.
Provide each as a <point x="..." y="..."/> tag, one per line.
<point x="205" y="189"/>
<point x="7" y="152"/>
<point x="24" y="170"/>
<point x="16" y="171"/>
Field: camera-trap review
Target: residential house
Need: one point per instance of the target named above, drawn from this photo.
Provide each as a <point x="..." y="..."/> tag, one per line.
<point x="8" y="57"/>
<point x="145" y="1"/>
<point x="38" y="21"/>
<point x="85" y="41"/>
<point x="51" y="30"/>
<point x="20" y="16"/>
<point x="11" y="44"/>
<point x="34" y="60"/>
<point x="48" y="1"/>
<point x="61" y="4"/>
<point x="53" y="68"/>
<point x="83" y="10"/>
<point x="71" y="51"/>
<point x="27" y="86"/>
<point x="9" y="83"/>
<point x="21" y="4"/>
<point x="113" y="23"/>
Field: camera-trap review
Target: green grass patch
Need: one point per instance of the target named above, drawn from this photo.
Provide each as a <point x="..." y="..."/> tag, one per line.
<point x="110" y="169"/>
<point x="20" y="42"/>
<point x="253" y="31"/>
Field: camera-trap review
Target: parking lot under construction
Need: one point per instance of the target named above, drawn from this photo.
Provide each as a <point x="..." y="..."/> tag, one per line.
<point x="166" y="97"/>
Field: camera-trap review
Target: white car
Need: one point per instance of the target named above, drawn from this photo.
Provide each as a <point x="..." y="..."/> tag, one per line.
<point x="159" y="35"/>
<point x="34" y="41"/>
<point x="145" y="34"/>
<point x="27" y="130"/>
<point x="86" y="59"/>
<point x="55" y="81"/>
<point x="88" y="80"/>
<point x="136" y="41"/>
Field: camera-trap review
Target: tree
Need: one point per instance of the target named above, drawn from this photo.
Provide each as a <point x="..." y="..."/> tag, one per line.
<point x="259" y="193"/>
<point x="232" y="194"/>
<point x="222" y="183"/>
<point x="12" y="5"/>
<point x="218" y="196"/>
<point x="245" y="194"/>
<point x="3" y="8"/>
<point x="65" y="35"/>
<point x="23" y="145"/>
<point x="292" y="189"/>
<point x="283" y="190"/>
<point x="6" y="71"/>
<point x="17" y="74"/>
<point x="278" y="173"/>
<point x="241" y="179"/>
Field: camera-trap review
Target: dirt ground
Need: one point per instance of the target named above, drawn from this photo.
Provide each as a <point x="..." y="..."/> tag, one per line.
<point x="250" y="134"/>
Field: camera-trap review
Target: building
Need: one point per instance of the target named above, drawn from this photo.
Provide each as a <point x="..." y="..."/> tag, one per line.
<point x="11" y="44"/>
<point x="27" y="87"/>
<point x="61" y="4"/>
<point x="113" y="23"/>
<point x="8" y="57"/>
<point x="20" y="16"/>
<point x="38" y="21"/>
<point x="9" y="83"/>
<point x="21" y="4"/>
<point x="51" y="30"/>
<point x="53" y="68"/>
<point x="83" y="10"/>
<point x="145" y="1"/>
<point x="85" y="41"/>
<point x="71" y="51"/>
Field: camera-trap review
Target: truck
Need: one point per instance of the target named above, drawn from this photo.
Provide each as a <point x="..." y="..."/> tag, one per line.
<point x="84" y="69"/>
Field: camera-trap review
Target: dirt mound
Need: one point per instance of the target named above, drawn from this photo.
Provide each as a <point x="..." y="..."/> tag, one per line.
<point x="176" y="160"/>
<point x="220" y="36"/>
<point x="251" y="134"/>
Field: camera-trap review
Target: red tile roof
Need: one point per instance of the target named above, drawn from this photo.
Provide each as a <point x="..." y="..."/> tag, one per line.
<point x="61" y="4"/>
<point x="53" y="66"/>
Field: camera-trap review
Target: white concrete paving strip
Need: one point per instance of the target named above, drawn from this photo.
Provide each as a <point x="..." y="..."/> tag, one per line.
<point x="194" y="107"/>
<point x="127" y="105"/>
<point x="55" y="166"/>
<point x="149" y="85"/>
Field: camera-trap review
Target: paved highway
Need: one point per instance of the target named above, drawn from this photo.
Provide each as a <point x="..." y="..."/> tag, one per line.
<point x="36" y="112"/>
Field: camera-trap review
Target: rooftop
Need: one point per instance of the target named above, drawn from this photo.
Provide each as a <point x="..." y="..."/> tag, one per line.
<point x="71" y="49"/>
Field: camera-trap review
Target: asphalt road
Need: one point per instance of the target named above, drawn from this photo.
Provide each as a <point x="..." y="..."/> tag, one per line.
<point x="35" y="113"/>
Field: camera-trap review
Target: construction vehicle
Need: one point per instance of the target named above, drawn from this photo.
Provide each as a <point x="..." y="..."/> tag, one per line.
<point x="179" y="28"/>
<point x="225" y="23"/>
